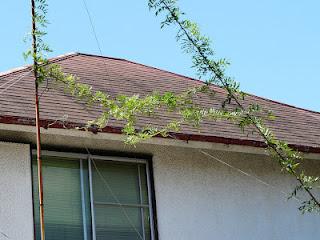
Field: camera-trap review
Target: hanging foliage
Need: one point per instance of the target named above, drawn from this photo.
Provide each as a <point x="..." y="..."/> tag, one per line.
<point x="130" y="108"/>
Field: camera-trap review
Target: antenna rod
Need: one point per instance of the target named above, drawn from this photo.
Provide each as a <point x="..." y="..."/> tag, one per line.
<point x="39" y="162"/>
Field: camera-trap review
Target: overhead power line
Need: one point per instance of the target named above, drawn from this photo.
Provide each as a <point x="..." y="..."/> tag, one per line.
<point x="257" y="179"/>
<point x="245" y="173"/>
<point x="109" y="189"/>
<point x="92" y="26"/>
<point x="94" y="164"/>
<point x="13" y="81"/>
<point x="93" y="30"/>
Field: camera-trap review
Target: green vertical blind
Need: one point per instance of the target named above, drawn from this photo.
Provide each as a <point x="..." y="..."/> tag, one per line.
<point x="62" y="199"/>
<point x="119" y="200"/>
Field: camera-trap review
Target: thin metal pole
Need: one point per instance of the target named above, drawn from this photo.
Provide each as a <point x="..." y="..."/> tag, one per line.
<point x="93" y="222"/>
<point x="150" y="201"/>
<point x="83" y="202"/>
<point x="35" y="71"/>
<point x="141" y="202"/>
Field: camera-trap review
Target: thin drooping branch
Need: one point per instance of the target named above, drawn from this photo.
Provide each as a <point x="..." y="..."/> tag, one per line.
<point x="256" y="123"/>
<point x="130" y="108"/>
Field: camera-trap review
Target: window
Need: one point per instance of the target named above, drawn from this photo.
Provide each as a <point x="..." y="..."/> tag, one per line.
<point x="94" y="198"/>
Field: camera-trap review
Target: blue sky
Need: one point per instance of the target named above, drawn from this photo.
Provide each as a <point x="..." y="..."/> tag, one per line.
<point x="273" y="45"/>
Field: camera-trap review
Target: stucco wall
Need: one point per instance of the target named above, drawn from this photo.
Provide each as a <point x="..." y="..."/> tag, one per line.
<point x="16" y="214"/>
<point x="197" y="197"/>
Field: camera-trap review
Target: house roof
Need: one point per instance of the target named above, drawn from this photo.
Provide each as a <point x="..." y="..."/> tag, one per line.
<point x="299" y="127"/>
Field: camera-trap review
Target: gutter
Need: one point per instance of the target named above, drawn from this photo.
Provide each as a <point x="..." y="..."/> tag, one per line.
<point x="58" y="124"/>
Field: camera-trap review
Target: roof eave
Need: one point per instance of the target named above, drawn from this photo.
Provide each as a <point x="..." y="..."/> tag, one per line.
<point x="47" y="123"/>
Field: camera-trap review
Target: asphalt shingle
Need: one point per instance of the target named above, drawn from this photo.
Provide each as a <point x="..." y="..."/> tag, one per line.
<point x="299" y="127"/>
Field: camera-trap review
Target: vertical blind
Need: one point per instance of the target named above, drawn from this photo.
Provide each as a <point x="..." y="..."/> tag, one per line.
<point x="120" y="200"/>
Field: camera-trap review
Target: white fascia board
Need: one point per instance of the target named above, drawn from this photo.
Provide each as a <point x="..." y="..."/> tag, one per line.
<point x="153" y="141"/>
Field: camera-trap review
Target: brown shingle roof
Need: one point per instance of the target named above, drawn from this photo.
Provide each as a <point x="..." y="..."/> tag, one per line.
<point x="299" y="127"/>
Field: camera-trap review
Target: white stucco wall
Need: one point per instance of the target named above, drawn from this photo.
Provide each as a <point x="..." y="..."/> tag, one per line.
<point x="197" y="197"/>
<point x="16" y="213"/>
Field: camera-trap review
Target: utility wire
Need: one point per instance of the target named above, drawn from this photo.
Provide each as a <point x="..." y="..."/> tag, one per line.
<point x="3" y="234"/>
<point x="92" y="26"/>
<point x="13" y="82"/>
<point x="114" y="195"/>
<point x="93" y="30"/>
<point x="241" y="171"/>
<point x="245" y="173"/>
<point x="116" y="199"/>
<point x="219" y="160"/>
<point x="201" y="151"/>
<point x="1" y="86"/>
<point x="94" y="164"/>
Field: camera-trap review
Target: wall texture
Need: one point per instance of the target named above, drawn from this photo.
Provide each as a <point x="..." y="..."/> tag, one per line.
<point x="197" y="197"/>
<point x="16" y="212"/>
<point x="200" y="198"/>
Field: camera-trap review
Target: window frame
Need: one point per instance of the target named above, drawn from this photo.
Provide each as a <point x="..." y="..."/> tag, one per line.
<point x="87" y="157"/>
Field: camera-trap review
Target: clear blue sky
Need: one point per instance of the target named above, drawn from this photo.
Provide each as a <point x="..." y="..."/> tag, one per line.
<point x="273" y="45"/>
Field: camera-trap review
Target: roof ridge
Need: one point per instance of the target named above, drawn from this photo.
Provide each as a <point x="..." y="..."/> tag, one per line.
<point x="100" y="56"/>
<point x="141" y="64"/>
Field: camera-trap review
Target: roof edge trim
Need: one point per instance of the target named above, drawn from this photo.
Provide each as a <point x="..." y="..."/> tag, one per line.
<point x="47" y="123"/>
